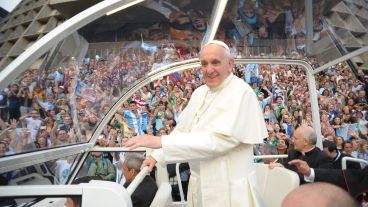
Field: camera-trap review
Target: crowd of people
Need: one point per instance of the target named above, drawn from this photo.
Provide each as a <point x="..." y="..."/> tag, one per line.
<point x="45" y="109"/>
<point x="64" y="107"/>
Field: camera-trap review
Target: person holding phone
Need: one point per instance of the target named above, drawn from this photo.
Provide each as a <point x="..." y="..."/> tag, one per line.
<point x="32" y="122"/>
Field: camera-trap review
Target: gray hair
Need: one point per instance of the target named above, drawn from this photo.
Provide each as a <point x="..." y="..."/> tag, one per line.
<point x="134" y="161"/>
<point x="270" y="149"/>
<point x="311" y="136"/>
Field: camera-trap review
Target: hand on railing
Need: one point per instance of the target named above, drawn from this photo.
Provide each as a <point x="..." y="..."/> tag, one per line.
<point x="274" y="165"/>
<point x="150" y="162"/>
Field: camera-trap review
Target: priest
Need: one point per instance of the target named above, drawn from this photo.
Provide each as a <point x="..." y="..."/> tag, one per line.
<point x="215" y="134"/>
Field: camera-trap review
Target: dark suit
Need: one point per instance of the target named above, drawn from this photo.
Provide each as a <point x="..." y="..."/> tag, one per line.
<point x="337" y="162"/>
<point x="353" y="180"/>
<point x="315" y="159"/>
<point x="145" y="192"/>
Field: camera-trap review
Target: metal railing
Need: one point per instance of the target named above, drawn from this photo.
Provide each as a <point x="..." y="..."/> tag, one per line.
<point x="352" y="159"/>
<point x="137" y="180"/>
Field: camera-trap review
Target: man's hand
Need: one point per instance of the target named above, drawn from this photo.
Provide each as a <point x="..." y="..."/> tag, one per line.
<point x="144" y="141"/>
<point x="273" y="165"/>
<point x="13" y="123"/>
<point x="150" y="162"/>
<point x="302" y="166"/>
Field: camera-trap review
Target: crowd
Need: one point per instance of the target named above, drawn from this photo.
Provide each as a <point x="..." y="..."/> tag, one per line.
<point x="64" y="107"/>
<point x="44" y="109"/>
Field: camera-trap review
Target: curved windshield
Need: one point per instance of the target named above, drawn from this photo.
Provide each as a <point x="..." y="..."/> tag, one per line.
<point x="63" y="96"/>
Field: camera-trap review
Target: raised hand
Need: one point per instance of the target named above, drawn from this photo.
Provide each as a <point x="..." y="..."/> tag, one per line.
<point x="304" y="122"/>
<point x="13" y="123"/>
<point x="352" y="132"/>
<point x="270" y="127"/>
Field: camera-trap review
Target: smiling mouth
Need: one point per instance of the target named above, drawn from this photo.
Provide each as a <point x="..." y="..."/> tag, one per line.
<point x="212" y="75"/>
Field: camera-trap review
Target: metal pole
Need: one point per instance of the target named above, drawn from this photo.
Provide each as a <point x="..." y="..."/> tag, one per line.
<point x="309" y="26"/>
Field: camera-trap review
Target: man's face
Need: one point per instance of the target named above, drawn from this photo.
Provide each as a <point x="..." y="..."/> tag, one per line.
<point x="67" y="120"/>
<point x="361" y="94"/>
<point x="260" y="97"/>
<point x="279" y="100"/>
<point x="96" y="155"/>
<point x="163" y="82"/>
<point x="216" y="66"/>
<point x="328" y="153"/>
<point x="128" y="173"/>
<point x="299" y="140"/>
<point x="102" y="140"/>
<point x="62" y="135"/>
<point x="2" y="149"/>
<point x="34" y="114"/>
<point x="133" y="107"/>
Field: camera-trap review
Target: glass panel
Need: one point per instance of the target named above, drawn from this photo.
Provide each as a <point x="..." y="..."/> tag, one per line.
<point x="343" y="106"/>
<point x="155" y="107"/>
<point x="264" y="28"/>
<point x="125" y="46"/>
<point x="38" y="111"/>
<point x="280" y="28"/>
<point x="99" y="166"/>
<point x="52" y="172"/>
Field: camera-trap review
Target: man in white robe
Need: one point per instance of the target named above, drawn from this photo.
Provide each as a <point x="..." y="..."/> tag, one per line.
<point x="215" y="134"/>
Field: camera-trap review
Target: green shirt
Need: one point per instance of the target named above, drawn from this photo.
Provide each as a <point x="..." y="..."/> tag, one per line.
<point x="101" y="167"/>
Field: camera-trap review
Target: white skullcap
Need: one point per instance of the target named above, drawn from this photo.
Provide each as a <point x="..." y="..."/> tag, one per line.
<point x="218" y="42"/>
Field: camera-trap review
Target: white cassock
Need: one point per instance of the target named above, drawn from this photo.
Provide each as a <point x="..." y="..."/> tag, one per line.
<point x="215" y="133"/>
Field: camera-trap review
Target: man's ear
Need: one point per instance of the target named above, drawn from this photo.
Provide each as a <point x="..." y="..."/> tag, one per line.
<point x="231" y="64"/>
<point x="133" y="171"/>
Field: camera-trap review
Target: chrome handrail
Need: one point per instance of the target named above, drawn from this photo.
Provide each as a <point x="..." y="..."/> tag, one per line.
<point x="137" y="180"/>
<point x="269" y="156"/>
<point x="351" y="159"/>
<point x="181" y="191"/>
